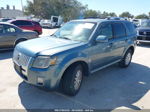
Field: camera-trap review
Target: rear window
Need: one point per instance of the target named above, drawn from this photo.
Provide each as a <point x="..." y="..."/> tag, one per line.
<point x="22" y="23"/>
<point x="36" y="23"/>
<point x="131" y="28"/>
<point x="119" y="30"/>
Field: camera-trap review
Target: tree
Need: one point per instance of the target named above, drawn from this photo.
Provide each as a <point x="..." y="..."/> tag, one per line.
<point x="149" y="14"/>
<point x="68" y="9"/>
<point x="112" y="14"/>
<point x="91" y="13"/>
<point x="126" y="14"/>
<point x="142" y="16"/>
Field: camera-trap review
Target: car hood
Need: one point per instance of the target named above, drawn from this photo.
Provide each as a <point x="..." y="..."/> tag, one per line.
<point x="143" y="29"/>
<point x="36" y="46"/>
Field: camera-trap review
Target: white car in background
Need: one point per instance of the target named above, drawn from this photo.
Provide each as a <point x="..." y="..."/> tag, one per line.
<point x="46" y="23"/>
<point x="55" y="21"/>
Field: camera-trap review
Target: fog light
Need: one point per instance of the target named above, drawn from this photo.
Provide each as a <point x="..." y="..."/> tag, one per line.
<point x="40" y="80"/>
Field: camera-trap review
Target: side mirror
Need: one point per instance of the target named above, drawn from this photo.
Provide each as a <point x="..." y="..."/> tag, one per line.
<point x="101" y="39"/>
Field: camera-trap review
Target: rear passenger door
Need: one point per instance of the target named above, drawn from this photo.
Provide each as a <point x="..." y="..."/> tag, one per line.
<point x="26" y="25"/>
<point x="9" y="35"/>
<point x="119" y="41"/>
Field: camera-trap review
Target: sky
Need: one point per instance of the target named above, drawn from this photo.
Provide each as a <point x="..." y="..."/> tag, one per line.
<point x="135" y="7"/>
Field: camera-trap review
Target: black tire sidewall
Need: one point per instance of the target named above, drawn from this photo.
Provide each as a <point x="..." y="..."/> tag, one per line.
<point x="69" y="78"/>
<point x="123" y="63"/>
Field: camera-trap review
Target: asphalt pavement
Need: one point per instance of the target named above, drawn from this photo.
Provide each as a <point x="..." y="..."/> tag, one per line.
<point x="111" y="88"/>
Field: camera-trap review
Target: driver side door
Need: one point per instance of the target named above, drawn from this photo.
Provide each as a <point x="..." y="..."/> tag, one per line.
<point x="101" y="52"/>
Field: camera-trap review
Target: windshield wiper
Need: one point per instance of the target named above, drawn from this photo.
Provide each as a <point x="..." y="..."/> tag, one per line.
<point x="65" y="38"/>
<point x="54" y="35"/>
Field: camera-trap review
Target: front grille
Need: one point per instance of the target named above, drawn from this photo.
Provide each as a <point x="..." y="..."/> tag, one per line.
<point x="146" y="33"/>
<point x="141" y="33"/>
<point x="21" y="58"/>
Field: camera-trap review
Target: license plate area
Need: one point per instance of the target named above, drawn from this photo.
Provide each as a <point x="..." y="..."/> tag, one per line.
<point x="19" y="71"/>
<point x="18" y="68"/>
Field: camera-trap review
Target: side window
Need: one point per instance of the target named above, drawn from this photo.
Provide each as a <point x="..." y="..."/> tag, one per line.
<point x="106" y="30"/>
<point x="1" y="29"/>
<point x="131" y="28"/>
<point x="119" y="30"/>
<point x="9" y="29"/>
<point x="17" y="23"/>
<point x="26" y="23"/>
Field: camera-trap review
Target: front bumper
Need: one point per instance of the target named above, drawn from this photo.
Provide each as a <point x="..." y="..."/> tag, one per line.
<point x="46" y="25"/>
<point x="45" y="78"/>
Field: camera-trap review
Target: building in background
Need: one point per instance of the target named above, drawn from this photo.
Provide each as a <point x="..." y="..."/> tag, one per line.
<point x="10" y="13"/>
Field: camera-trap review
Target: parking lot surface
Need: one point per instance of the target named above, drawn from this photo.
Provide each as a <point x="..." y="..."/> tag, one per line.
<point x="111" y="88"/>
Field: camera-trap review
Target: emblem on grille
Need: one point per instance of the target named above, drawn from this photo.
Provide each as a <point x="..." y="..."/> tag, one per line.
<point x="145" y="33"/>
<point x="19" y="55"/>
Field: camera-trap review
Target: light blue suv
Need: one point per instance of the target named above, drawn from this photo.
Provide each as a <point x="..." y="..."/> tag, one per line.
<point x="79" y="48"/>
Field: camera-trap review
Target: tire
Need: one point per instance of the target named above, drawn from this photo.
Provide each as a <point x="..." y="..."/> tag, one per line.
<point x="125" y="62"/>
<point x="18" y="41"/>
<point x="37" y="32"/>
<point x="72" y="80"/>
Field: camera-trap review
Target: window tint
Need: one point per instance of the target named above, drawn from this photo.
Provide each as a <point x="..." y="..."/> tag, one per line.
<point x="1" y="29"/>
<point x="131" y="28"/>
<point x="106" y="30"/>
<point x="23" y="23"/>
<point x="9" y="29"/>
<point x="16" y="23"/>
<point x="36" y="23"/>
<point x="119" y="30"/>
<point x="55" y="19"/>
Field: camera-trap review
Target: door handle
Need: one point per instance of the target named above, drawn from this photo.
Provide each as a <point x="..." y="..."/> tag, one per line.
<point x="126" y="40"/>
<point x="110" y="45"/>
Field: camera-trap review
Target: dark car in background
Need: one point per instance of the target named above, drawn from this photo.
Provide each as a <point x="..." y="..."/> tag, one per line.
<point x="4" y="19"/>
<point x="28" y="25"/>
<point x="11" y="35"/>
<point x="143" y="31"/>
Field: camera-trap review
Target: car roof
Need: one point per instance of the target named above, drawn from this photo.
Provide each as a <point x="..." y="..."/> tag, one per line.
<point x="99" y="20"/>
<point x="21" y="20"/>
<point x="7" y="23"/>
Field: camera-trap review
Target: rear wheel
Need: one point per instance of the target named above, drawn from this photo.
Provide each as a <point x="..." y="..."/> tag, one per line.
<point x="125" y="62"/>
<point x="72" y="80"/>
<point x="37" y="32"/>
<point x="18" y="41"/>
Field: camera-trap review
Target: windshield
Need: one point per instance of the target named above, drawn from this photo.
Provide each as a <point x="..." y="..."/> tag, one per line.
<point x="145" y="24"/>
<point x="46" y="21"/>
<point x="77" y="31"/>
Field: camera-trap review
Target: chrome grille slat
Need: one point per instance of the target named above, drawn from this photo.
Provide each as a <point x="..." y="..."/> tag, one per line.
<point x="21" y="58"/>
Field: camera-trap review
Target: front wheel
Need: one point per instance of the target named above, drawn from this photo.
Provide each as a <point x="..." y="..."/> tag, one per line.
<point x="72" y="80"/>
<point x="125" y="62"/>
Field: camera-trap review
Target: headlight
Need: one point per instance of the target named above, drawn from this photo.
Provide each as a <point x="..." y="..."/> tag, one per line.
<point x="137" y="32"/>
<point x="44" y="62"/>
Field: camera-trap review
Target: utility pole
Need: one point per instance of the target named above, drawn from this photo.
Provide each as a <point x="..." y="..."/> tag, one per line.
<point x="22" y="6"/>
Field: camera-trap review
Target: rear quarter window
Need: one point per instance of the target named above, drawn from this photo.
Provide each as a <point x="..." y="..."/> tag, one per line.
<point x="36" y="23"/>
<point x="130" y="28"/>
<point x="119" y="30"/>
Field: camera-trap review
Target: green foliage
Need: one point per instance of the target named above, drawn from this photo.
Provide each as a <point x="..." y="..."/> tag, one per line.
<point x="68" y="9"/>
<point x="142" y="16"/>
<point x="126" y="14"/>
<point x="91" y="13"/>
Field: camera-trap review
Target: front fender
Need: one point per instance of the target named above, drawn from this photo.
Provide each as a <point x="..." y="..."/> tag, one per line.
<point x="69" y="60"/>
